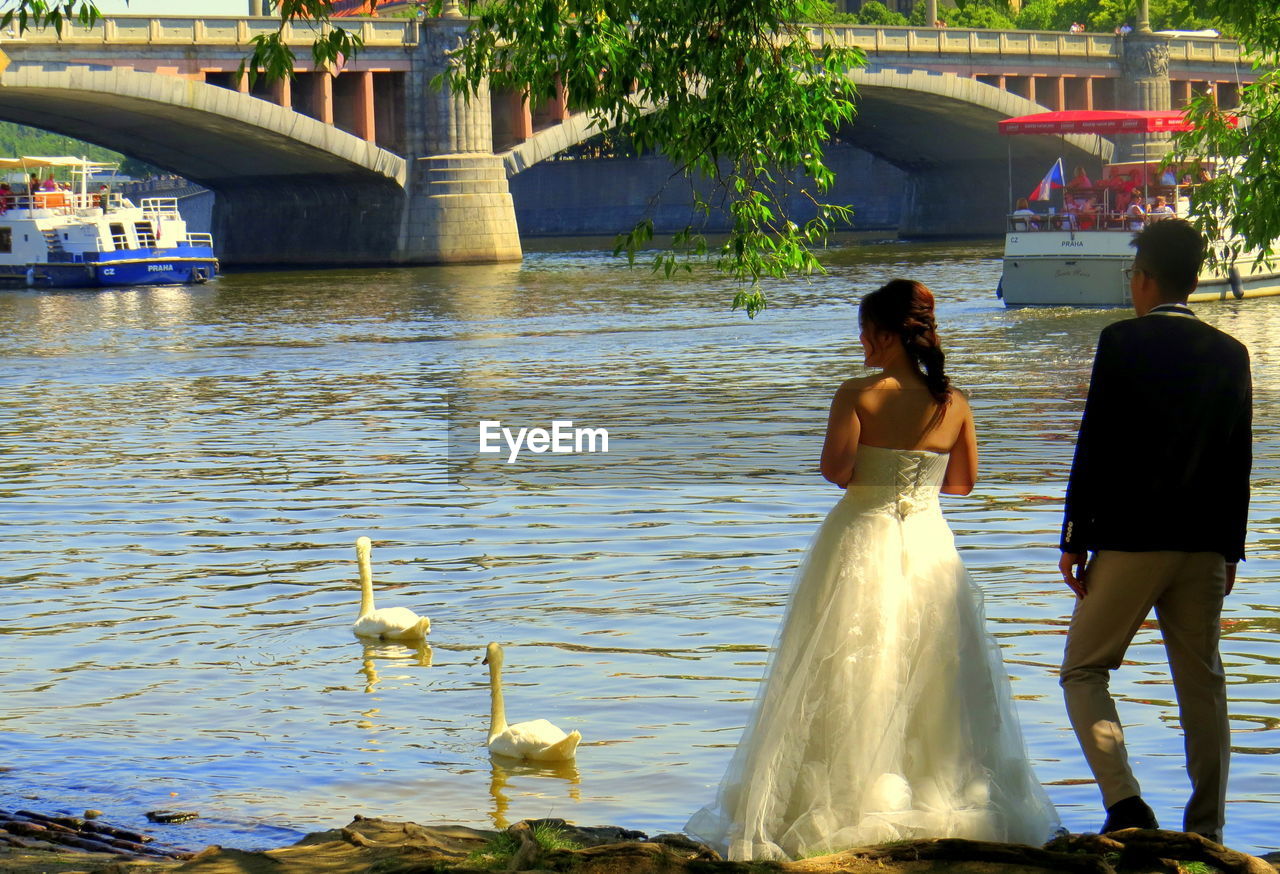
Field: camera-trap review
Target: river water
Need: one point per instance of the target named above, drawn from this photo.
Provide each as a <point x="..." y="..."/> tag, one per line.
<point x="185" y="472"/>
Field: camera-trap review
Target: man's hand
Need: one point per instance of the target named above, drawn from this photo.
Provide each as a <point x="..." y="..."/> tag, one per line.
<point x="1231" y="577"/>
<point x="1072" y="566"/>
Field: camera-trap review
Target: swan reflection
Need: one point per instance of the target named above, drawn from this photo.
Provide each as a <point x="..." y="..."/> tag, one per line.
<point x="418" y="653"/>
<point x="505" y="771"/>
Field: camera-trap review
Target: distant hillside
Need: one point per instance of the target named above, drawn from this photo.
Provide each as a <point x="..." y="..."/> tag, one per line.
<point x="17" y="140"/>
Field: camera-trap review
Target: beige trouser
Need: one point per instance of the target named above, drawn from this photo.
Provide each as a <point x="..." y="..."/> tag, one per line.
<point x="1186" y="588"/>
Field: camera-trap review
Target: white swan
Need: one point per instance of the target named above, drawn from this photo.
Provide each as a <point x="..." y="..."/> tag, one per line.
<point x="389" y="623"/>
<point x="537" y="739"/>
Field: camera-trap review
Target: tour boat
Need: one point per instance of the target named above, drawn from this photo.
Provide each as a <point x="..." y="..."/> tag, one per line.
<point x="80" y="239"/>
<point x="1076" y="253"/>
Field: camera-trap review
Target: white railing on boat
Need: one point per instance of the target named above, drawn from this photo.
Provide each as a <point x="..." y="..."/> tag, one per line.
<point x="161" y="207"/>
<point x="120" y="241"/>
<point x="1070" y="221"/>
<point x="63" y="202"/>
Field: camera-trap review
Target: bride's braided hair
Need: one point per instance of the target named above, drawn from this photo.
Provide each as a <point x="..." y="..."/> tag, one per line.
<point x="905" y="307"/>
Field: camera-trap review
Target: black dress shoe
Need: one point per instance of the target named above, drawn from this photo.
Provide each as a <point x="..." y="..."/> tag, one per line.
<point x="1131" y="812"/>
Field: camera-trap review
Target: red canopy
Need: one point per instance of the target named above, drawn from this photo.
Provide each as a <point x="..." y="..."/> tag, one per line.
<point x="1099" y="121"/>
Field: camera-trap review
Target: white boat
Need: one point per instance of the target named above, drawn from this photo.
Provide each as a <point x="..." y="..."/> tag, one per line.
<point x="1076" y="254"/>
<point x="75" y="238"/>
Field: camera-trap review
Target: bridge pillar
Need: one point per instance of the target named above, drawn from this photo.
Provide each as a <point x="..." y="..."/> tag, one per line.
<point x="1144" y="84"/>
<point x="282" y="92"/>
<point x="964" y="197"/>
<point x="366" y="126"/>
<point x="322" y="96"/>
<point x="458" y="206"/>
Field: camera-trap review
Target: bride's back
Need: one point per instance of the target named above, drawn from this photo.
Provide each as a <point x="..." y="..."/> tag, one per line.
<point x="895" y="415"/>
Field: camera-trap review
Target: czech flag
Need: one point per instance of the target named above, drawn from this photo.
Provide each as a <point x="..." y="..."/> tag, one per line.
<point x="1053" y="179"/>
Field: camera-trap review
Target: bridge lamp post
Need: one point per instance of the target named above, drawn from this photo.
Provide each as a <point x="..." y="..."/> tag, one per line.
<point x="931" y="13"/>
<point x="1144" y="16"/>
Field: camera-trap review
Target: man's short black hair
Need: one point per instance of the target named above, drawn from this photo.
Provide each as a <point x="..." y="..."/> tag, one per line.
<point x="1172" y="252"/>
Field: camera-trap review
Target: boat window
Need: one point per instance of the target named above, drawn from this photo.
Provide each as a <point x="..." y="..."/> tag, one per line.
<point x="146" y="235"/>
<point x="6" y="239"/>
<point x="119" y="239"/>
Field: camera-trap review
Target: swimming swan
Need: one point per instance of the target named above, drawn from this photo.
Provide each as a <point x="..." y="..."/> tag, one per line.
<point x="537" y="740"/>
<point x="389" y="623"/>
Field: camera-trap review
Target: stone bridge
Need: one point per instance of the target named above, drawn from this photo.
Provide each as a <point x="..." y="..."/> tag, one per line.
<point x="369" y="164"/>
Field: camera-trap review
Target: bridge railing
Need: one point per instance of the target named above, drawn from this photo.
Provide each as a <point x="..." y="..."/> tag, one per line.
<point x="151" y="30"/>
<point x="1016" y="43"/>
<point x="239" y="31"/>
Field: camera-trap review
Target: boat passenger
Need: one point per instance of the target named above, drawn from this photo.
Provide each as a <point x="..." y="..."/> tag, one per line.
<point x="1083" y="213"/>
<point x="6" y="197"/>
<point x="1080" y="181"/>
<point x="1135" y="213"/>
<point x="1159" y="211"/>
<point x="49" y="184"/>
<point x="1123" y="197"/>
<point x="1024" y="210"/>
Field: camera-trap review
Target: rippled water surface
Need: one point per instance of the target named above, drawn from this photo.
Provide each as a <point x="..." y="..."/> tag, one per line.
<point x="183" y="473"/>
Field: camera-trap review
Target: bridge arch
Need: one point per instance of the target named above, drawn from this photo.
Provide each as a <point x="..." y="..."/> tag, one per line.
<point x="274" y="171"/>
<point x="206" y="133"/>
<point x="939" y="129"/>
<point x="920" y="120"/>
<point x="898" y="120"/>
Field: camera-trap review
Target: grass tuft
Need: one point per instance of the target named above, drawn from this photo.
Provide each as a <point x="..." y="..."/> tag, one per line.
<point x="552" y="837"/>
<point x="503" y="846"/>
<point x="495" y="854"/>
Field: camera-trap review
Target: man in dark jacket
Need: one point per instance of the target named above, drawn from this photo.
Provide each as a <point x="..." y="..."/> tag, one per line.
<point x="1159" y="493"/>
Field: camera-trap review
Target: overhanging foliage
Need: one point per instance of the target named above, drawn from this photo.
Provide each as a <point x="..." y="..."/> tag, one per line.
<point x="731" y="91"/>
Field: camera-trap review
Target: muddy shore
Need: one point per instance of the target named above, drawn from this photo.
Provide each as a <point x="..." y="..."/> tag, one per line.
<point x="387" y="847"/>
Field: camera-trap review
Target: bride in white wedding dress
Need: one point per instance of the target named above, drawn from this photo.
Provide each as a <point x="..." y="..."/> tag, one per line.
<point x="885" y="712"/>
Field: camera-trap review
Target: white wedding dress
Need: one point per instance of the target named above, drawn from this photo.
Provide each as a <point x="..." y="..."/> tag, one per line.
<point x="885" y="712"/>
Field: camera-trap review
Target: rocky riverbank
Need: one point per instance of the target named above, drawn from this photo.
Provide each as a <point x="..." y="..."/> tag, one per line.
<point x="545" y="846"/>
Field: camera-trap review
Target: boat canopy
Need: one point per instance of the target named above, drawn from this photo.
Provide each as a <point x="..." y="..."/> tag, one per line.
<point x="1101" y="121"/>
<point x="33" y="161"/>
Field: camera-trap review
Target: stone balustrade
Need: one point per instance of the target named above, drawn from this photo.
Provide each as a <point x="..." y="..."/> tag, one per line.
<point x="932" y="42"/>
<point x="390" y="32"/>
<point x="138" y="30"/>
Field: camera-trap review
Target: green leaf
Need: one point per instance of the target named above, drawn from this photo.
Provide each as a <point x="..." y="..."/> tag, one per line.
<point x="1240" y="208"/>
<point x="731" y="92"/>
<point x="270" y="57"/>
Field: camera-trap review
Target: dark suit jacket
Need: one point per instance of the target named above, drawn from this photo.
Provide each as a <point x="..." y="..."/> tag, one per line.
<point x="1164" y="452"/>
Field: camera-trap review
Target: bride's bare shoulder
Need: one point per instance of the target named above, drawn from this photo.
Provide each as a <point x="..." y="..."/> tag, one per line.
<point x="861" y="383"/>
<point x="958" y="408"/>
